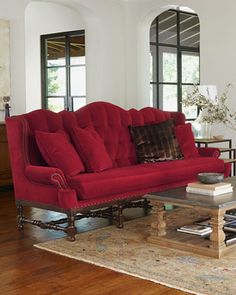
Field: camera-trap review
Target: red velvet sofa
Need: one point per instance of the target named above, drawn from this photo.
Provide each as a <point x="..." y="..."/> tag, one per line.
<point x="120" y="184"/>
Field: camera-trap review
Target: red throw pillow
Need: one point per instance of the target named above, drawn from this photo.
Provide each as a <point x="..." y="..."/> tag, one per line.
<point x="58" y="152"/>
<point x="91" y="148"/>
<point x="185" y="138"/>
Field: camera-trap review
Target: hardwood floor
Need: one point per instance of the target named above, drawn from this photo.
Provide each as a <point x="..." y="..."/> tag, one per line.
<point x="26" y="270"/>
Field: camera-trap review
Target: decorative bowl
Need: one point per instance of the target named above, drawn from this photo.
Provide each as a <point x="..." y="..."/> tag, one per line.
<point x="210" y="177"/>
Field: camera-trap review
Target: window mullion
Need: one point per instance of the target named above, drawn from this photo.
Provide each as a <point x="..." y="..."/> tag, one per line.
<point x="156" y="103"/>
<point x="179" y="64"/>
<point x="68" y="103"/>
<point x="43" y="73"/>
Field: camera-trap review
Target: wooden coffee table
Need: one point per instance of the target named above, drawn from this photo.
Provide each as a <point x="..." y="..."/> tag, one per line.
<point x="214" y="207"/>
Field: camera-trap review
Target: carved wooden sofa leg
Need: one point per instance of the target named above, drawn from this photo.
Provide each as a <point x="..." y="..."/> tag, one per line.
<point x="20" y="217"/>
<point x="144" y="203"/>
<point x="113" y="213"/>
<point x="110" y="214"/>
<point x="71" y="230"/>
<point x="146" y="206"/>
<point x="120" y="217"/>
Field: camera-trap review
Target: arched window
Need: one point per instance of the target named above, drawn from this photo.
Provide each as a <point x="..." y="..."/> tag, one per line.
<point x="175" y="53"/>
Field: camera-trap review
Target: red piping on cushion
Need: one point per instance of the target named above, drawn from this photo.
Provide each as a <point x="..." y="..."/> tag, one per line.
<point x="59" y="181"/>
<point x="46" y="175"/>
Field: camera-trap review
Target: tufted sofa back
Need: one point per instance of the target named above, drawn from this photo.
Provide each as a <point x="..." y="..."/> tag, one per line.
<point x="151" y="115"/>
<point x="111" y="122"/>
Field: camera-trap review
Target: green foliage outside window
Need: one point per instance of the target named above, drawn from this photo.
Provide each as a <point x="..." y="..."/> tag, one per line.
<point x="52" y="80"/>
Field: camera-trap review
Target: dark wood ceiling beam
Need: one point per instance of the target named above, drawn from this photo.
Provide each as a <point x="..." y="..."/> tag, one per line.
<point x="174" y="25"/>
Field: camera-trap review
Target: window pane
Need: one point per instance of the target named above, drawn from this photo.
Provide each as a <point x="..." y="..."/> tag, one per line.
<point x="171" y="65"/>
<point x="77" y="60"/>
<point x="55" y="51"/>
<point x="189" y="30"/>
<point x="78" y="81"/>
<point x="190" y="67"/>
<point x="167" y="29"/>
<point x="153" y="94"/>
<point x="168" y="93"/>
<point x="167" y="64"/>
<point x="153" y="33"/>
<point x="153" y="64"/>
<point x="77" y="50"/>
<point x="78" y="102"/>
<point x="56" y="82"/>
<point x="56" y="104"/>
<point x="190" y="112"/>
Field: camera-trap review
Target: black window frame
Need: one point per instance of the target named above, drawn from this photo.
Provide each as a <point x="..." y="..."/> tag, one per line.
<point x="157" y="101"/>
<point x="68" y="98"/>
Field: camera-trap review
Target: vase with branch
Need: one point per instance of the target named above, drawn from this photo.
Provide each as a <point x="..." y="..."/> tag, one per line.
<point x="212" y="110"/>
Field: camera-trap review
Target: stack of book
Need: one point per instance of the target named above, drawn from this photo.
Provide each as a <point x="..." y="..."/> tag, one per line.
<point x="209" y="189"/>
<point x="230" y="226"/>
<point x="230" y="238"/>
<point x="230" y="214"/>
<point x="196" y="229"/>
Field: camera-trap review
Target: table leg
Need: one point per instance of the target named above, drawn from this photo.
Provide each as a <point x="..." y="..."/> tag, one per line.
<point x="158" y="224"/>
<point x="217" y="236"/>
<point x="234" y="164"/>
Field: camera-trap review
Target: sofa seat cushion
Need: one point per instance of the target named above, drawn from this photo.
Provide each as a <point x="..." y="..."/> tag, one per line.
<point x="186" y="169"/>
<point x="146" y="177"/>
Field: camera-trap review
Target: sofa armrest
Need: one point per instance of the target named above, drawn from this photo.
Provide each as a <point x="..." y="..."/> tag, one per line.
<point x="46" y="175"/>
<point x="209" y="152"/>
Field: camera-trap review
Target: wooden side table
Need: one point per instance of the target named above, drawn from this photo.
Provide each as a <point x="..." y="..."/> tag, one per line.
<point x="5" y="167"/>
<point x="205" y="142"/>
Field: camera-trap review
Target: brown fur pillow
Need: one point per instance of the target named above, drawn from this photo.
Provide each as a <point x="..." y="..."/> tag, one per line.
<point x="156" y="142"/>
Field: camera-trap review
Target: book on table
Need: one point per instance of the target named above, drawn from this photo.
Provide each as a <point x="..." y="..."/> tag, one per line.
<point x="195" y="229"/>
<point x="230" y="226"/>
<point x="230" y="214"/>
<point x="209" y="189"/>
<point x="230" y="238"/>
<point x="205" y="222"/>
<point x="212" y="186"/>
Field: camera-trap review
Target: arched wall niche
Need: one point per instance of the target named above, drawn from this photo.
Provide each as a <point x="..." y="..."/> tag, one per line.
<point x="143" y="47"/>
<point x="58" y="16"/>
<point x="174" y="42"/>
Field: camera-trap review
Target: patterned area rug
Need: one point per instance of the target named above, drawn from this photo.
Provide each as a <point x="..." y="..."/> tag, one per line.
<point x="127" y="251"/>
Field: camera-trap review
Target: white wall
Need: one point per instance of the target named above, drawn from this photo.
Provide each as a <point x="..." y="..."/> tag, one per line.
<point x="217" y="44"/>
<point x="13" y="10"/>
<point x="103" y="24"/>
<point x="43" y="18"/>
<point x="117" y="47"/>
<point x="218" y="47"/>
